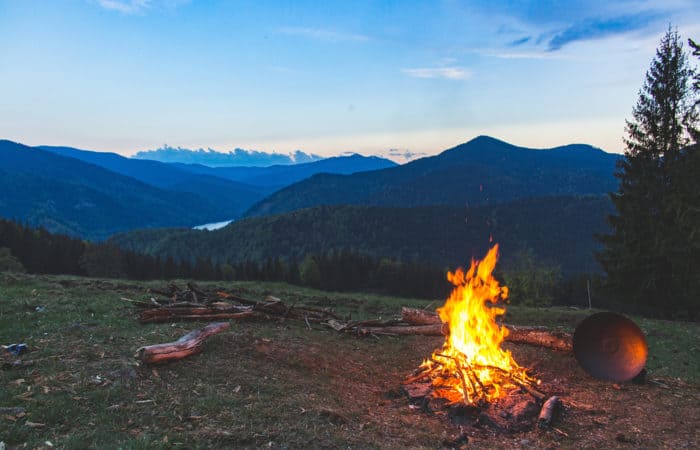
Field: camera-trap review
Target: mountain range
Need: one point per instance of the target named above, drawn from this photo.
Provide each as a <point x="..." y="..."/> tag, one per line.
<point x="231" y="197"/>
<point x="73" y="197"/>
<point x="94" y="194"/>
<point x="439" y="209"/>
<point x="278" y="176"/>
<point x="482" y="171"/>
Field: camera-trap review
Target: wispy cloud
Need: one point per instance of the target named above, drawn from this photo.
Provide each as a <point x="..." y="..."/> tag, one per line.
<point x="323" y="34"/>
<point x="600" y="28"/>
<point x="450" y="73"/>
<point x="139" y="6"/>
<point x="521" y="41"/>
<point x="125" y="6"/>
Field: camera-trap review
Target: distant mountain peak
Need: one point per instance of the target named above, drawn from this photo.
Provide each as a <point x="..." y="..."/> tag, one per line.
<point x="233" y="158"/>
<point x="483" y="138"/>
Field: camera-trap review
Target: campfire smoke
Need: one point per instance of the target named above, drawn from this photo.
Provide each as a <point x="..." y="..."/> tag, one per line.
<point x="471" y="367"/>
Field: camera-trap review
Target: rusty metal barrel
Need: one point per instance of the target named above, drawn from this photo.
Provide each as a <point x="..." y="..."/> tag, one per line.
<point x="610" y="346"/>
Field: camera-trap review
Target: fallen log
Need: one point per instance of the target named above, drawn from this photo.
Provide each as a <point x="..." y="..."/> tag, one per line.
<point x="556" y="340"/>
<point x="416" y="316"/>
<point x="187" y="345"/>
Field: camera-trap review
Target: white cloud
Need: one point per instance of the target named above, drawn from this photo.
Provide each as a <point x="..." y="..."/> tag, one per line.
<point x="323" y="34"/>
<point x="139" y="6"/>
<point x="450" y="73"/>
<point x="125" y="6"/>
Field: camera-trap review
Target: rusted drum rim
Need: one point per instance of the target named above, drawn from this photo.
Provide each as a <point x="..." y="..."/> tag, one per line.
<point x="610" y="347"/>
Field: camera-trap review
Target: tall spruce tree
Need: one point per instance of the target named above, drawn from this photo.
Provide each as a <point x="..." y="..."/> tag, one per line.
<point x="647" y="256"/>
<point x="693" y="130"/>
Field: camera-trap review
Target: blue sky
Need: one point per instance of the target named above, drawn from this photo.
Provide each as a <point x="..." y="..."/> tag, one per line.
<point x="326" y="77"/>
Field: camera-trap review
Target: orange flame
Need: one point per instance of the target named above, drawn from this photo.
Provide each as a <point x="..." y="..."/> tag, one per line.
<point x="472" y="366"/>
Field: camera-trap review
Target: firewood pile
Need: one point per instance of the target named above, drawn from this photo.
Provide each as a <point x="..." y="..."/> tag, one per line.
<point x="174" y="304"/>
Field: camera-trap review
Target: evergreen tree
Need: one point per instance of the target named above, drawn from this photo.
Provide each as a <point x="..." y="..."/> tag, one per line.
<point x="309" y="273"/>
<point x="693" y="130"/>
<point x="643" y="256"/>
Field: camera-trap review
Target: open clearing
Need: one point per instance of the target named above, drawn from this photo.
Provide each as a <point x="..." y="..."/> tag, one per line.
<point x="280" y="384"/>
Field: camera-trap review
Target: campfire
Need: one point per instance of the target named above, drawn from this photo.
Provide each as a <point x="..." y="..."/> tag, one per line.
<point x="471" y="370"/>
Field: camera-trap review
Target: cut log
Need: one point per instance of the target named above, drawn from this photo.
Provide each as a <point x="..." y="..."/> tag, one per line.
<point x="187" y="345"/>
<point x="556" y="340"/>
<point x="416" y="316"/>
<point x="548" y="411"/>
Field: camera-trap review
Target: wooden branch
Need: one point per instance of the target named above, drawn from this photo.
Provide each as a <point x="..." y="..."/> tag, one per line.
<point x="425" y="330"/>
<point x="198" y="317"/>
<point x="556" y="340"/>
<point x="275" y="306"/>
<point x="138" y="303"/>
<point x="187" y="345"/>
<point x="159" y="315"/>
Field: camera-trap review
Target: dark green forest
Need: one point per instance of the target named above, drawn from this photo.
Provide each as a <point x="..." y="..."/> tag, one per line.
<point x="37" y="251"/>
<point x="559" y="231"/>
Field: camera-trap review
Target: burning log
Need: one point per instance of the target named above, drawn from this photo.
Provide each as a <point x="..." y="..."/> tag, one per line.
<point x="471" y="367"/>
<point x="556" y="340"/>
<point x="187" y="345"/>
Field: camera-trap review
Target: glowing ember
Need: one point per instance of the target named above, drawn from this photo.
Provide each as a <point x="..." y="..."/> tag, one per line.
<point x="471" y="366"/>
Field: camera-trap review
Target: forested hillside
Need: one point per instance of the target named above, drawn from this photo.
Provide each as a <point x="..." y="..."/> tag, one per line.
<point x="558" y="230"/>
<point x="73" y="197"/>
<point x="480" y="172"/>
<point x="229" y="196"/>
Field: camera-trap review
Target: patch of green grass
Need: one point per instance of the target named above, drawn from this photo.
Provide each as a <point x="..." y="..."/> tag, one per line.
<point x="673" y="348"/>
